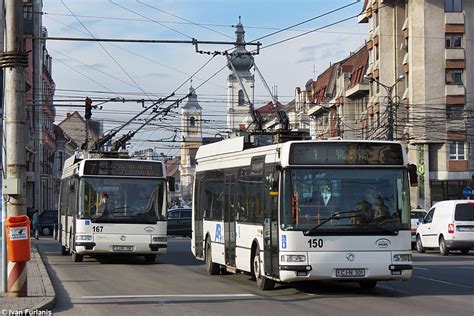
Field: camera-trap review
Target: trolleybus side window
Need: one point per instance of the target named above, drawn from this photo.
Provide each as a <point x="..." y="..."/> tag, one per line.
<point x="64" y="197"/>
<point x="249" y="196"/>
<point x="72" y="188"/>
<point x="213" y="195"/>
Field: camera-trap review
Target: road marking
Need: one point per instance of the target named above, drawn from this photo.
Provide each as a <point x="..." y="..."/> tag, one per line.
<point x="167" y="296"/>
<point x="466" y="267"/>
<point x="444" y="282"/>
<point x="418" y="268"/>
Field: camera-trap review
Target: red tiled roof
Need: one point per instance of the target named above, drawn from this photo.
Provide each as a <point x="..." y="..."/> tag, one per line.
<point x="322" y="83"/>
<point x="357" y="63"/>
<point x="268" y="108"/>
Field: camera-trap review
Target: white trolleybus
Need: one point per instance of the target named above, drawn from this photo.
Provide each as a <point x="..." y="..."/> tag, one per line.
<point x="113" y="206"/>
<point x="304" y="210"/>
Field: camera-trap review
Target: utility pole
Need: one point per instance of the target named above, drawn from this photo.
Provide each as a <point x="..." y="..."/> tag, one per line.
<point x="388" y="101"/>
<point x="14" y="60"/>
<point x="87" y="116"/>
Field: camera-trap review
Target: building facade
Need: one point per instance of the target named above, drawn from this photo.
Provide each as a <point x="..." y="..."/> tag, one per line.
<point x="428" y="42"/>
<point x="40" y="142"/>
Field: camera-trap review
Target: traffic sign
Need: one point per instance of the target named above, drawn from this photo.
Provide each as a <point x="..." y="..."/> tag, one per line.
<point x="467" y="192"/>
<point x="420" y="170"/>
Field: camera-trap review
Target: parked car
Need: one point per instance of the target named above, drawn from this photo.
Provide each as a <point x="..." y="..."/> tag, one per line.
<point x="416" y="216"/>
<point x="48" y="222"/>
<point x="449" y="225"/>
<point x="179" y="221"/>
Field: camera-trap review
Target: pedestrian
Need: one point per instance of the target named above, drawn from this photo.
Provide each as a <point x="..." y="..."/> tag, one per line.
<point x="35" y="223"/>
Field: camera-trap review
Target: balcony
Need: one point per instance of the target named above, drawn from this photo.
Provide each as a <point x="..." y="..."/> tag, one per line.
<point x="358" y="90"/>
<point x="454" y="89"/>
<point x="454" y="18"/>
<point x="454" y="53"/>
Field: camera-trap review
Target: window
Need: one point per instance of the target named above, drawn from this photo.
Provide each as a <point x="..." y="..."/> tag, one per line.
<point x="192" y="121"/>
<point x="241" y="98"/>
<point x="213" y="195"/>
<point x="456" y="150"/>
<point x="452" y="5"/>
<point x="429" y="217"/>
<point x="453" y="40"/>
<point x="454" y="112"/>
<point x="454" y="76"/>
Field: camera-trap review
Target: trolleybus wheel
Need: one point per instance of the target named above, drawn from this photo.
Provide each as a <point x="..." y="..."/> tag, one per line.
<point x="150" y="258"/>
<point x="263" y="283"/>
<point x="211" y="267"/>
<point x="368" y="284"/>
<point x="76" y="257"/>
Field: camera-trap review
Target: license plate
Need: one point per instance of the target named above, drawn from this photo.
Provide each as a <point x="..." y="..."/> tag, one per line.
<point x="122" y="248"/>
<point x="465" y="229"/>
<point x="350" y="273"/>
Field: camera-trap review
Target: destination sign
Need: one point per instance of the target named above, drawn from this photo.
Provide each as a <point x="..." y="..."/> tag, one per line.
<point x="123" y="168"/>
<point x="344" y="153"/>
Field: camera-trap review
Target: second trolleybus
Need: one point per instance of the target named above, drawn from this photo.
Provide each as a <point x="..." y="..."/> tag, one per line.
<point x="304" y="210"/>
<point x="113" y="206"/>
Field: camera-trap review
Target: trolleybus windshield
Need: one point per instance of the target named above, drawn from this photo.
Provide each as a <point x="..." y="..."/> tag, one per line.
<point x="368" y="200"/>
<point x="122" y="200"/>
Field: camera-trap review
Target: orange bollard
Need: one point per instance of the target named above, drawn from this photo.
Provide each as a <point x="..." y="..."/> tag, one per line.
<point x="19" y="253"/>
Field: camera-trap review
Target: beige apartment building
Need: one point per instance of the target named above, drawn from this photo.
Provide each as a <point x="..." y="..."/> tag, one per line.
<point x="429" y="42"/>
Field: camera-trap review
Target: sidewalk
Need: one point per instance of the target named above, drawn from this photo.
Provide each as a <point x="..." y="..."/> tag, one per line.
<point x="41" y="295"/>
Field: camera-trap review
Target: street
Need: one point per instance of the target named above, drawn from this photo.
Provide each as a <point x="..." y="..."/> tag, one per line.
<point x="178" y="284"/>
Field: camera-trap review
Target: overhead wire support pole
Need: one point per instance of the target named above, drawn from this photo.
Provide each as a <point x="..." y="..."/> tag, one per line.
<point x="14" y="61"/>
<point x="389" y="101"/>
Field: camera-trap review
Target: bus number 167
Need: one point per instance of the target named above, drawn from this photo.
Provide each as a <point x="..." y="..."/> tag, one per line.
<point x="315" y="243"/>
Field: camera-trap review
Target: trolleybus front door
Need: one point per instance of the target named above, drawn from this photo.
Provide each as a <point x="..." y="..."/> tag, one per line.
<point x="229" y="219"/>
<point x="270" y="222"/>
<point x="198" y="220"/>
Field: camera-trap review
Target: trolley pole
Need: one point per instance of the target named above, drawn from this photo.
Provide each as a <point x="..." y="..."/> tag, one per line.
<point x="14" y="60"/>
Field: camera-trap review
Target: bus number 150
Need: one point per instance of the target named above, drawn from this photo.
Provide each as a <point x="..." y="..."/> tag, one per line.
<point x="315" y="243"/>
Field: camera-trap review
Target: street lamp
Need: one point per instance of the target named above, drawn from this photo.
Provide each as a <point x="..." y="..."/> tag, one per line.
<point x="389" y="100"/>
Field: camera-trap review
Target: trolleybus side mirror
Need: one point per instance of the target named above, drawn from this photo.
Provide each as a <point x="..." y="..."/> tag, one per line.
<point x="413" y="175"/>
<point x="171" y="183"/>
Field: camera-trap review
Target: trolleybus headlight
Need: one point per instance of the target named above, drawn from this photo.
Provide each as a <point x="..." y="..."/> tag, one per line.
<point x="83" y="238"/>
<point x="402" y="257"/>
<point x="158" y="239"/>
<point x="293" y="258"/>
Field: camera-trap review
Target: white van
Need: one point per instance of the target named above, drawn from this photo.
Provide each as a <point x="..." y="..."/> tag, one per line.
<point x="449" y="225"/>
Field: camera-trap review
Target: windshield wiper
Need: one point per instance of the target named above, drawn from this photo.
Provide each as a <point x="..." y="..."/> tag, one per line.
<point x="325" y="220"/>
<point x="381" y="228"/>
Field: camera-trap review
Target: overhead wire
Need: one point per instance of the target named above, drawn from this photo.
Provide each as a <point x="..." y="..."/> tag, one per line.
<point x="105" y="50"/>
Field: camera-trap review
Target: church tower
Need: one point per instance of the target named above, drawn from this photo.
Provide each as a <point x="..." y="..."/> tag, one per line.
<point x="237" y="103"/>
<point x="191" y="139"/>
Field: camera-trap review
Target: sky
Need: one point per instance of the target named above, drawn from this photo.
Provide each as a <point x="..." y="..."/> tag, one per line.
<point x="149" y="71"/>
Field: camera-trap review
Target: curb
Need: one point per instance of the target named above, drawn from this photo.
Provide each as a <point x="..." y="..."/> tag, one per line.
<point x="49" y="300"/>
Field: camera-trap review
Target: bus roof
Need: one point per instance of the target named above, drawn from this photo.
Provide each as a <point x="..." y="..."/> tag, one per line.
<point x="310" y="152"/>
<point x="114" y="167"/>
